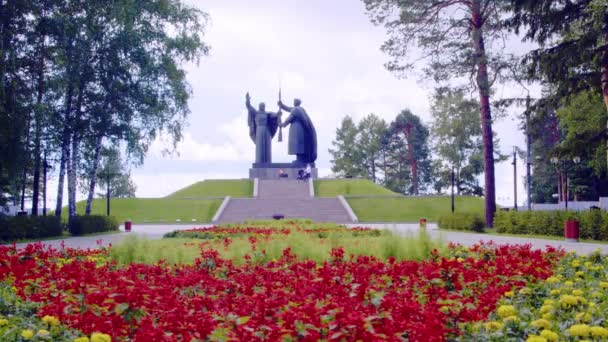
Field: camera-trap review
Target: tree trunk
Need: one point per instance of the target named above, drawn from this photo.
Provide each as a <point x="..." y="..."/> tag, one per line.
<point x="605" y="71"/>
<point x="483" y="85"/>
<point x="412" y="158"/>
<point x="93" y="175"/>
<point x="65" y="156"/>
<point x="73" y="164"/>
<point x="38" y="132"/>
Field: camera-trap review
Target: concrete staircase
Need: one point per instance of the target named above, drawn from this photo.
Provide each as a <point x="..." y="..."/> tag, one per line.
<point x="290" y="198"/>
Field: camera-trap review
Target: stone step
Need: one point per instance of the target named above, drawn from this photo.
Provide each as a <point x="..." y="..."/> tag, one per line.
<point x="283" y="188"/>
<point x="316" y="209"/>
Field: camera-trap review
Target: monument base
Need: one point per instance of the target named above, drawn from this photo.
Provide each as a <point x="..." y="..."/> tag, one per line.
<point x="272" y="170"/>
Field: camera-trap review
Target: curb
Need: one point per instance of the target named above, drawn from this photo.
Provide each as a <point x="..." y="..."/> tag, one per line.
<point x="221" y="209"/>
<point x="348" y="209"/>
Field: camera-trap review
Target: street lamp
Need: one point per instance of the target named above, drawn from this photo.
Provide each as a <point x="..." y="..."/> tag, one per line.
<point x="566" y="166"/>
<point x="453" y="176"/>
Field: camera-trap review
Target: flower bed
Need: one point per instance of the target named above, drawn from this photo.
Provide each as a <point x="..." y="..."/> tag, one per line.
<point x="572" y="305"/>
<point x="355" y="298"/>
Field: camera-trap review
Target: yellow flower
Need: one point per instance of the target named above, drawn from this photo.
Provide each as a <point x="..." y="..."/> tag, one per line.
<point x="575" y="263"/>
<point x="547" y="316"/>
<point x="584" y="317"/>
<point x="548" y="302"/>
<point x="99" y="337"/>
<point x="568" y="283"/>
<point x="580" y="274"/>
<point x="578" y="292"/>
<point x="50" y="320"/>
<point x="511" y="318"/>
<point x="581" y="300"/>
<point x="525" y="290"/>
<point x="568" y="300"/>
<point x="552" y="280"/>
<point x="541" y="323"/>
<point x="43" y="333"/>
<point x="81" y="339"/>
<point x="599" y="332"/>
<point x="581" y="330"/>
<point x="604" y="284"/>
<point x="506" y="311"/>
<point x="493" y="325"/>
<point x="555" y="292"/>
<point x="546" y="308"/>
<point x="445" y="309"/>
<point x="509" y="294"/>
<point x="3" y="322"/>
<point x="549" y="335"/>
<point x="27" y="334"/>
<point x="534" y="338"/>
<point x="588" y="264"/>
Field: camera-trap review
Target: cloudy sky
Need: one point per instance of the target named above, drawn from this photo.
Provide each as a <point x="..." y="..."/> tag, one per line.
<point x="324" y="52"/>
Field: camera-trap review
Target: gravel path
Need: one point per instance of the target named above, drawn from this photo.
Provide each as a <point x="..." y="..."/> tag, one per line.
<point x="155" y="232"/>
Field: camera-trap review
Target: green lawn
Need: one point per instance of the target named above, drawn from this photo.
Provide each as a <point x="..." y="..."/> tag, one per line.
<point x="346" y="187"/>
<point x="156" y="210"/>
<point x="216" y="188"/>
<point x="411" y="209"/>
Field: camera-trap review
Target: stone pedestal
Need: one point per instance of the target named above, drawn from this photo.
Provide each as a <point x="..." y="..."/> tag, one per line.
<point x="271" y="170"/>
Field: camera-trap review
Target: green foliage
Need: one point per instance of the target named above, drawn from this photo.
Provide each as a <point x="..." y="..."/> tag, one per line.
<point x="407" y="160"/>
<point x="349" y="187"/>
<point x="593" y="224"/>
<point x="88" y="224"/>
<point x="457" y="140"/>
<point x="29" y="227"/>
<point x="346" y="156"/>
<point x="411" y="209"/>
<point x="305" y="246"/>
<point x="216" y="188"/>
<point x="462" y="221"/>
<point x="114" y="171"/>
<point x="16" y="316"/>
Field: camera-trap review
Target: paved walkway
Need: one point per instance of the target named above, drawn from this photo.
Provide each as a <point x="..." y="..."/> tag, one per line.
<point x="155" y="232"/>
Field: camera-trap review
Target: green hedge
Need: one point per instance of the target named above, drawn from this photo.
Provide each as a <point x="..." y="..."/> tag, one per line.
<point x="88" y="224"/>
<point x="593" y="223"/>
<point x="462" y="221"/>
<point x="29" y="227"/>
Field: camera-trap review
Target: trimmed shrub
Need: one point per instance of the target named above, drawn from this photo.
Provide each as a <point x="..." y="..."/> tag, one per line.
<point x="593" y="223"/>
<point x="29" y="227"/>
<point x="462" y="221"/>
<point x="88" y="224"/>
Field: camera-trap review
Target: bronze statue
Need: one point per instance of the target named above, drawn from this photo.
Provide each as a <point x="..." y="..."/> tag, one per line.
<point x="302" y="134"/>
<point x="262" y="128"/>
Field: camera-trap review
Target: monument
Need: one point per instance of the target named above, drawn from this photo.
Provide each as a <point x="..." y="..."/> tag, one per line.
<point x="302" y="140"/>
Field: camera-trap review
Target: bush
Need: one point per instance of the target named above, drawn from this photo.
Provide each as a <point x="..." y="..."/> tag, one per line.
<point x="593" y="223"/>
<point x="462" y="221"/>
<point x="88" y="224"/>
<point x="30" y="227"/>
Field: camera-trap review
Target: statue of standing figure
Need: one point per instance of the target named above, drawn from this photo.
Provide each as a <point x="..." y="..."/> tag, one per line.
<point x="302" y="134"/>
<point x="262" y="128"/>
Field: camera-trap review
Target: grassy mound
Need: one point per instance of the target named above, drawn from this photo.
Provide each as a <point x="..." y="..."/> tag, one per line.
<point x="349" y="187"/>
<point x="216" y="188"/>
<point x="155" y="210"/>
<point x="411" y="209"/>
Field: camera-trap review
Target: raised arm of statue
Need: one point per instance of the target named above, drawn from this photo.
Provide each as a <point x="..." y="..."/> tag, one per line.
<point x="284" y="107"/>
<point x="248" y="103"/>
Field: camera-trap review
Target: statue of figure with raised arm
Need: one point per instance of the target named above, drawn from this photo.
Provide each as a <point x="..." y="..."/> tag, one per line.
<point x="262" y="128"/>
<point x="302" y="134"/>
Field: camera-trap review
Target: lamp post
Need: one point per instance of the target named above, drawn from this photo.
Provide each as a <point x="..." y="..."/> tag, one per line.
<point x="453" y="176"/>
<point x="514" y="178"/>
<point x="565" y="167"/>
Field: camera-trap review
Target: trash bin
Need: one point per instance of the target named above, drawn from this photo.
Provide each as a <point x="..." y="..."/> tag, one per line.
<point x="128" y="226"/>
<point x="571" y="231"/>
